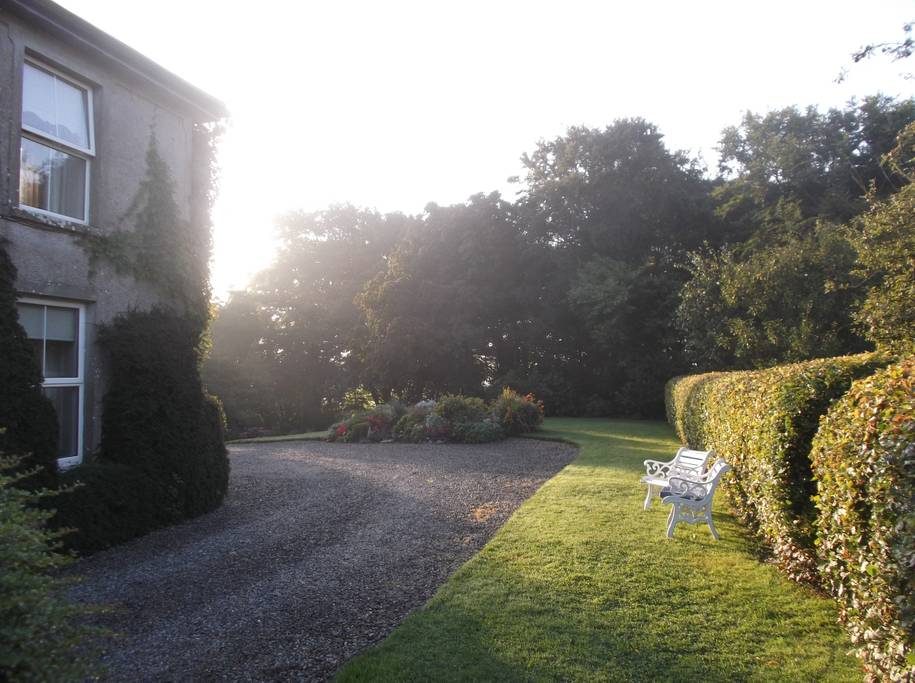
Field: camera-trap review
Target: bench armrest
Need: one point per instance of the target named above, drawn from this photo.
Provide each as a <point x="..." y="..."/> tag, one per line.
<point x="656" y="468"/>
<point x="689" y="489"/>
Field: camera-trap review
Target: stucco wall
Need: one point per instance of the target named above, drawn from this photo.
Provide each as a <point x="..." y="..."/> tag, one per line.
<point x="47" y="254"/>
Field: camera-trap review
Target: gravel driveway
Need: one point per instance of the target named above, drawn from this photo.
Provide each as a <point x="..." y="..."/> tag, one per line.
<point x="319" y="551"/>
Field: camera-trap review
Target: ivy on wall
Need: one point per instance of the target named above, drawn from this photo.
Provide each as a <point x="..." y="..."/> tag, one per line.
<point x="162" y="248"/>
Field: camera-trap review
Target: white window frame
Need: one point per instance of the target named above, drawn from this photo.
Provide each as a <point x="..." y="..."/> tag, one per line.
<point x="78" y="381"/>
<point x="43" y="138"/>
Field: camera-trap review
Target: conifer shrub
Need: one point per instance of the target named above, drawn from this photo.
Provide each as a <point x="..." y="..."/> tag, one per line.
<point x="156" y="416"/>
<point x="762" y="422"/>
<point x="28" y="423"/>
<point x="863" y="459"/>
<point x="107" y="503"/>
<point x="162" y="457"/>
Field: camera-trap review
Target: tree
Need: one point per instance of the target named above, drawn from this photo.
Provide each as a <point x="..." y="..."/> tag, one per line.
<point x="885" y="241"/>
<point x="791" y="301"/>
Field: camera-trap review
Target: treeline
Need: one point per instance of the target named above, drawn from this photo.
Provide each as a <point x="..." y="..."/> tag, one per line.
<point x="619" y="264"/>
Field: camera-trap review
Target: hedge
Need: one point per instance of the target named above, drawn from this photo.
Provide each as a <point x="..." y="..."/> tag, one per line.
<point x="864" y="461"/>
<point x="762" y="422"/>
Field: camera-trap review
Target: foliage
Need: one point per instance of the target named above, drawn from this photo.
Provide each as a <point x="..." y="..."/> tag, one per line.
<point x="788" y="302"/>
<point x="41" y="635"/>
<point x="581" y="585"/>
<point x="483" y="431"/>
<point x="283" y="351"/>
<point x="885" y="242"/>
<point x="863" y="458"/>
<point x="896" y="50"/>
<point x="356" y="399"/>
<point x="456" y="418"/>
<point x="377" y="423"/>
<point x="820" y="164"/>
<point x="618" y="265"/>
<point x="162" y="248"/>
<point x="516" y="413"/>
<point x="108" y="503"/>
<point x="762" y="423"/>
<point x="157" y="418"/>
<point x="27" y="420"/>
<point x="459" y="409"/>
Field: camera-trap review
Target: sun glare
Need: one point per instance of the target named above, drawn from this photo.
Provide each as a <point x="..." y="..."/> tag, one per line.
<point x="393" y="105"/>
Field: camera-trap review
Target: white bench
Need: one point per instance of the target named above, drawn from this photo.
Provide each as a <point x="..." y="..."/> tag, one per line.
<point x="685" y="462"/>
<point x="692" y="498"/>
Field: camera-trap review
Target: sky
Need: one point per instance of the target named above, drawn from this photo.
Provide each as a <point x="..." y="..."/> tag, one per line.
<point x="395" y="104"/>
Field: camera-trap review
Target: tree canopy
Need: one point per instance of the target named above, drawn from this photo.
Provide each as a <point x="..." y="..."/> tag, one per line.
<point x="620" y="264"/>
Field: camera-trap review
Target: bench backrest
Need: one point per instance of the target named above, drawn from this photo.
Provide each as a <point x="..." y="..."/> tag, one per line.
<point x="686" y="458"/>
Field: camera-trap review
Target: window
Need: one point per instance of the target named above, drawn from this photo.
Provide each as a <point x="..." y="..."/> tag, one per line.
<point x="56" y="331"/>
<point x="57" y="144"/>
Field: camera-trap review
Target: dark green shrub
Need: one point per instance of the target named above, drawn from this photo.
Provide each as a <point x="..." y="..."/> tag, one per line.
<point x="108" y="503"/>
<point x="864" y="461"/>
<point x="762" y="422"/>
<point x="517" y="414"/>
<point x="358" y="431"/>
<point x="41" y="638"/>
<point x="477" y="432"/>
<point x="156" y="416"/>
<point x="28" y="423"/>
<point x="411" y="427"/>
<point x="459" y="409"/>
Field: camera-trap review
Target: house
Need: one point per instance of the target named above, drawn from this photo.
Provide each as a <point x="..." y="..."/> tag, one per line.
<point x="77" y="111"/>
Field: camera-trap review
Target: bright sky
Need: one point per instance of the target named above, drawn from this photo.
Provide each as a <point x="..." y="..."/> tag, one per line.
<point x="395" y="104"/>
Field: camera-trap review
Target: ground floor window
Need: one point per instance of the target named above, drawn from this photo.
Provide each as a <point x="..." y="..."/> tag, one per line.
<point x="56" y="330"/>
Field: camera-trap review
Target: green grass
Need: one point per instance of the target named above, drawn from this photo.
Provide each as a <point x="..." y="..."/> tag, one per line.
<point x="305" y="436"/>
<point x="581" y="584"/>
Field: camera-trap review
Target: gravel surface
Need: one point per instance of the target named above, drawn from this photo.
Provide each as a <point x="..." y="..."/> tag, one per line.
<point x="319" y="551"/>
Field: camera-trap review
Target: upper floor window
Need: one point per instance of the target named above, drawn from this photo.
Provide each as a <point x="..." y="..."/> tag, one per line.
<point x="57" y="143"/>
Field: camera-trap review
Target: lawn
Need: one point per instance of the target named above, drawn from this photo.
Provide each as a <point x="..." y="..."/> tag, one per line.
<point x="305" y="436"/>
<point x="581" y="584"/>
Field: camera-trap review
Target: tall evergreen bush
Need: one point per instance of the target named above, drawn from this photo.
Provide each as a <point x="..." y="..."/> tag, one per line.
<point x="28" y="423"/>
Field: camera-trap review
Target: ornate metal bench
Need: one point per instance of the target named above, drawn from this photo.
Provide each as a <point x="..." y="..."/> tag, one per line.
<point x="686" y="462"/>
<point x="691" y="498"/>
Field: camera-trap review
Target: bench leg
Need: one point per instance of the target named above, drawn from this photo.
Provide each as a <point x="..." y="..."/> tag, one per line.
<point x="711" y="524"/>
<point x="648" y="496"/>
<point x="672" y="520"/>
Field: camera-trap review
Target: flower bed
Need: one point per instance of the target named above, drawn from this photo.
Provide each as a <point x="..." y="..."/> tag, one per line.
<point x="453" y="418"/>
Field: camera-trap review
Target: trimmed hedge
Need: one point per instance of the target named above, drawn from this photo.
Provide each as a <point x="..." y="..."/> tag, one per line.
<point x="762" y="422"/>
<point x="864" y="461"/>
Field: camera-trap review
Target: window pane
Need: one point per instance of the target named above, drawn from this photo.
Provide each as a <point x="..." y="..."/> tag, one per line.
<point x="31" y="317"/>
<point x="34" y="174"/>
<point x="52" y="180"/>
<point x="72" y="114"/>
<point x="38" y="109"/>
<point x="62" y="344"/>
<point x="55" y="106"/>
<point x="66" y="404"/>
